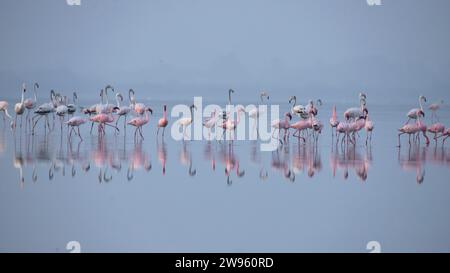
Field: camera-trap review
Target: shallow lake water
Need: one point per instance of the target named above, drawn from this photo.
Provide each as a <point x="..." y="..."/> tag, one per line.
<point x="112" y="194"/>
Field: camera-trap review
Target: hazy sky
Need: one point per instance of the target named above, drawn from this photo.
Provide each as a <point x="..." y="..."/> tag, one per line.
<point x="178" y="49"/>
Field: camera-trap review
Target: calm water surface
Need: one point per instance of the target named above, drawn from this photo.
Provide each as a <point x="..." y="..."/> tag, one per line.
<point x="113" y="194"/>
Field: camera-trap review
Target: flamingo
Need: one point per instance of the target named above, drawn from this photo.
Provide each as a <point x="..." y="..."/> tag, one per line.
<point x="436" y="128"/>
<point x="62" y="110"/>
<point x="368" y="126"/>
<point x="138" y="122"/>
<point x="19" y="108"/>
<point x="255" y="112"/>
<point x="282" y="125"/>
<point x="4" y="108"/>
<point x="121" y="111"/>
<point x="103" y="120"/>
<point x="343" y="128"/>
<point x="445" y="134"/>
<point x="411" y="129"/>
<point x="139" y="108"/>
<point x="72" y="107"/>
<point x="311" y="109"/>
<point x="417" y="113"/>
<point x="185" y="122"/>
<point x="433" y="108"/>
<point x="44" y="110"/>
<point x="162" y="123"/>
<point x="211" y="121"/>
<point x="106" y="108"/>
<point x="75" y="122"/>
<point x="298" y="110"/>
<point x="356" y="112"/>
<point x="300" y="126"/>
<point x="231" y="125"/>
<point x="30" y="104"/>
<point x="333" y="120"/>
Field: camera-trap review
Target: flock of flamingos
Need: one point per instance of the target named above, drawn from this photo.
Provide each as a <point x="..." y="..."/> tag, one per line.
<point x="106" y="114"/>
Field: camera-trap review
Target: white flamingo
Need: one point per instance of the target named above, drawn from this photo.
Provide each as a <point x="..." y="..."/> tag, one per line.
<point x="185" y="122"/>
<point x="417" y="113"/>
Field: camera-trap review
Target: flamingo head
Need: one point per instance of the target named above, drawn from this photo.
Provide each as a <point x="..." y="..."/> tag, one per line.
<point x="149" y="110"/>
<point x="230" y="91"/>
<point x="36" y="85"/>
<point x="421" y="113"/>
<point x="116" y="109"/>
<point x="319" y="102"/>
<point x="264" y="94"/>
<point x="423" y="98"/>
<point x="289" y="115"/>
<point x="362" y="96"/>
<point x="365" y="113"/>
<point x="291" y="98"/>
<point x="165" y="107"/>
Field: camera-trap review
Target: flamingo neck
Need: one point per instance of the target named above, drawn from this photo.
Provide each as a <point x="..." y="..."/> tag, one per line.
<point x="23" y="95"/>
<point x="118" y="101"/>
<point x="420" y="103"/>
<point x="35" y="94"/>
<point x="165" y="113"/>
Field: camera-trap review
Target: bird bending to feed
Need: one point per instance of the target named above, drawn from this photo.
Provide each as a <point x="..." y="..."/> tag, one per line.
<point x="436" y="128"/>
<point x="163" y="122"/>
<point x="75" y="122"/>
<point x="412" y="129"/>
<point x="282" y="125"/>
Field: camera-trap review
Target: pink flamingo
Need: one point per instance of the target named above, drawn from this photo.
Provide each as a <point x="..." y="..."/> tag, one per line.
<point x="162" y="123"/>
<point x="30" y="103"/>
<point x="334" y="121"/>
<point x="162" y="155"/>
<point x="75" y="122"/>
<point x="369" y="128"/>
<point x="4" y="108"/>
<point x="230" y="124"/>
<point x="345" y="128"/>
<point x="445" y="134"/>
<point x="103" y="120"/>
<point x="300" y="126"/>
<point x="138" y="122"/>
<point x="433" y="108"/>
<point x="411" y="129"/>
<point x="436" y="128"/>
<point x="282" y="125"/>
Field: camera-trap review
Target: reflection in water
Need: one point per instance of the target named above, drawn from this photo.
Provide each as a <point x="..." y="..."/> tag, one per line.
<point x="414" y="161"/>
<point x="414" y="158"/>
<point x="230" y="161"/>
<point x="106" y="156"/>
<point x="186" y="159"/>
<point x="351" y="157"/>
